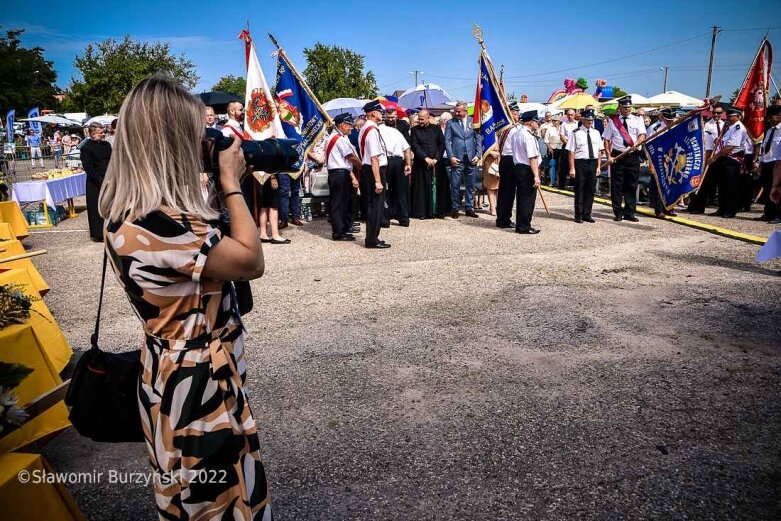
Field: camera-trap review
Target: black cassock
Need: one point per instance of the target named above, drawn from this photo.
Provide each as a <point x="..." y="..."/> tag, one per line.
<point x="95" y="156"/>
<point x="427" y="142"/>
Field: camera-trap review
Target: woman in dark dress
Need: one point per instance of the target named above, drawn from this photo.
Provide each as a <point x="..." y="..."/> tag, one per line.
<point x="95" y="155"/>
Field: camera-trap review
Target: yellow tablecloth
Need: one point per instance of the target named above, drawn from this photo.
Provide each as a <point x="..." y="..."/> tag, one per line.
<point x="6" y="232"/>
<point x="22" y="501"/>
<point x="20" y="344"/>
<point x="15" y="248"/>
<point x="54" y="342"/>
<point x="12" y="214"/>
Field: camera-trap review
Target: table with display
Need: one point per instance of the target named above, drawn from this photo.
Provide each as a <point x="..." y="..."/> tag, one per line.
<point x="50" y="192"/>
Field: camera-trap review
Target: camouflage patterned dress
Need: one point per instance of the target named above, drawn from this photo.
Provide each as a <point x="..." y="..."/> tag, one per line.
<point x="200" y="433"/>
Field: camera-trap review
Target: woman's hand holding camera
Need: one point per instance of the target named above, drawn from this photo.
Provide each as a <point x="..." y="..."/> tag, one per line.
<point x="232" y="166"/>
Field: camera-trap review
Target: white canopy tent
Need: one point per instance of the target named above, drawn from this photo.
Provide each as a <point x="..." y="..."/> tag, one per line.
<point x="54" y="119"/>
<point x="100" y="120"/>
<point x="671" y="98"/>
<point x="541" y="109"/>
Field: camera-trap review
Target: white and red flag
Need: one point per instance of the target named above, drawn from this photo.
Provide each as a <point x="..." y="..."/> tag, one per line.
<point x="752" y="98"/>
<point x="261" y="119"/>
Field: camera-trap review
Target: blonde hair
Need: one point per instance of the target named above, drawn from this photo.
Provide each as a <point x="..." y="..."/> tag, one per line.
<point x="156" y="157"/>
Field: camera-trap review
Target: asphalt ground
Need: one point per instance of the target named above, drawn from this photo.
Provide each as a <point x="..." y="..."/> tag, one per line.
<point x="608" y="370"/>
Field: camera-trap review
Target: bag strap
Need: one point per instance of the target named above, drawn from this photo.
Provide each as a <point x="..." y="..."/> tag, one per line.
<point x="94" y="337"/>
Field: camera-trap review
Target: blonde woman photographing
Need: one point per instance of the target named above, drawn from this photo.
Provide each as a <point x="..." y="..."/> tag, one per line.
<point x="175" y="265"/>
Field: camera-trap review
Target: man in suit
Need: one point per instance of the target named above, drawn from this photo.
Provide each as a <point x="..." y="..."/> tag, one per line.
<point x="463" y="148"/>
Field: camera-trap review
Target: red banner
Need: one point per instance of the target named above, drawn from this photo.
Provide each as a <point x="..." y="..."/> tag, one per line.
<point x="752" y="98"/>
<point x="244" y="35"/>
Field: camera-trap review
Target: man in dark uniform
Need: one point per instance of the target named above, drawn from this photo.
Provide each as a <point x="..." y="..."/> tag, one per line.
<point x="625" y="132"/>
<point x="727" y="161"/>
<point x="374" y="159"/>
<point x="506" y="195"/>
<point x="769" y="156"/>
<point x="584" y="146"/>
<point x="666" y="117"/>
<point x="341" y="160"/>
<point x="526" y="160"/>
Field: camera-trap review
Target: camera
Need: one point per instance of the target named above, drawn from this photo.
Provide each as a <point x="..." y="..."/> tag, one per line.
<point x="270" y="155"/>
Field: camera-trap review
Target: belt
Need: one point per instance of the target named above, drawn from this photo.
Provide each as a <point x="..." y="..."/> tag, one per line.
<point x="395" y="157"/>
<point x="615" y="153"/>
<point x="338" y="170"/>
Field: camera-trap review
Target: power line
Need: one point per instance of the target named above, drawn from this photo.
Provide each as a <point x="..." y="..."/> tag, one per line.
<point x="614" y="59"/>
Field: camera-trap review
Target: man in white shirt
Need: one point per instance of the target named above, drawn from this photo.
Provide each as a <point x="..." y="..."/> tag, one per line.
<point x="546" y="125"/>
<point x="624" y="133"/>
<point x="568" y="124"/>
<point x="374" y="159"/>
<point x="666" y="117"/>
<point x="506" y="195"/>
<point x="770" y="159"/>
<point x="235" y="124"/>
<point x="727" y="160"/>
<point x="526" y="159"/>
<point x="341" y="160"/>
<point x="584" y="146"/>
<point x="397" y="173"/>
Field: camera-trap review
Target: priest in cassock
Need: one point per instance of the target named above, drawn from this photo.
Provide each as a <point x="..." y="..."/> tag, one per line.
<point x="428" y="145"/>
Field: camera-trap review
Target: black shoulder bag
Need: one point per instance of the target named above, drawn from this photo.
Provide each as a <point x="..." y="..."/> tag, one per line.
<point x="103" y="393"/>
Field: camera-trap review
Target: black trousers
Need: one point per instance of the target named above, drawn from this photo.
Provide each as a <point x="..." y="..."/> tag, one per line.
<point x="624" y="176"/>
<point x="398" y="190"/>
<point x="585" y="178"/>
<point x="698" y="201"/>
<point x="366" y="185"/>
<point x="525" y="196"/>
<point x="771" y="209"/>
<point x="654" y="199"/>
<point x="339" y="191"/>
<point x="562" y="167"/>
<point x="729" y="185"/>
<point x="506" y="195"/>
<point x="93" y="216"/>
<point x="376" y="209"/>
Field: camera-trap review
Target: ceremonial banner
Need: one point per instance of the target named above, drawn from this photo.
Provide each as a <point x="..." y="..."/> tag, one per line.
<point x="752" y="98"/>
<point x="261" y="120"/>
<point x="676" y="158"/>
<point x="9" y="125"/>
<point x="35" y="125"/>
<point x="491" y="113"/>
<point x="301" y="115"/>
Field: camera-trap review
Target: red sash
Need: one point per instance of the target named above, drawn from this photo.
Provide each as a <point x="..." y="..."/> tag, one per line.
<point x="503" y="139"/>
<point x="622" y="130"/>
<point x="330" y="147"/>
<point x="235" y="132"/>
<point x="363" y="137"/>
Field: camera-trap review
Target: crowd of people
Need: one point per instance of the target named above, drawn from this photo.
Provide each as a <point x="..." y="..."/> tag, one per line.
<point x="421" y="166"/>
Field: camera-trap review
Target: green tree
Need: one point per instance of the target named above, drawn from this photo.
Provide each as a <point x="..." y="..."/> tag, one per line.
<point x="27" y="79"/>
<point x="618" y="92"/>
<point x="734" y="96"/>
<point x="335" y="72"/>
<point x="111" y="68"/>
<point x="233" y="84"/>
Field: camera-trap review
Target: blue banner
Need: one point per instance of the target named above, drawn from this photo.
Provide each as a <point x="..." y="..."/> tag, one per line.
<point x="490" y="115"/>
<point x="35" y="125"/>
<point x="300" y="115"/>
<point x="9" y="125"/>
<point x="677" y="159"/>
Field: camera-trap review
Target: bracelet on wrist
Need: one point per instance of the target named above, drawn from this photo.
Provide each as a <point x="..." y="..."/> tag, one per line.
<point x="225" y="196"/>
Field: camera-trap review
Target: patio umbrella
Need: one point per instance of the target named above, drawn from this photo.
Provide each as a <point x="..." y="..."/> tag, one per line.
<point x="577" y="101"/>
<point x="424" y="95"/>
<point x="54" y="119"/>
<point x="338" y="106"/>
<point x="100" y="120"/>
<point x="392" y="105"/>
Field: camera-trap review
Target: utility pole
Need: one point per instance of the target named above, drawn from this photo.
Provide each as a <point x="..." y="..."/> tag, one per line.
<point x="664" y="88"/>
<point x="716" y="30"/>
<point x="416" y="73"/>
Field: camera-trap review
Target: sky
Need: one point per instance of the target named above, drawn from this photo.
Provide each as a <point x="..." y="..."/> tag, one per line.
<point x="539" y="43"/>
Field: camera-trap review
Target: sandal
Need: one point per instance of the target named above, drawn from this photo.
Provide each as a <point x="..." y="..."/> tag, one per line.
<point x="279" y="241"/>
<point x="264" y="240"/>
